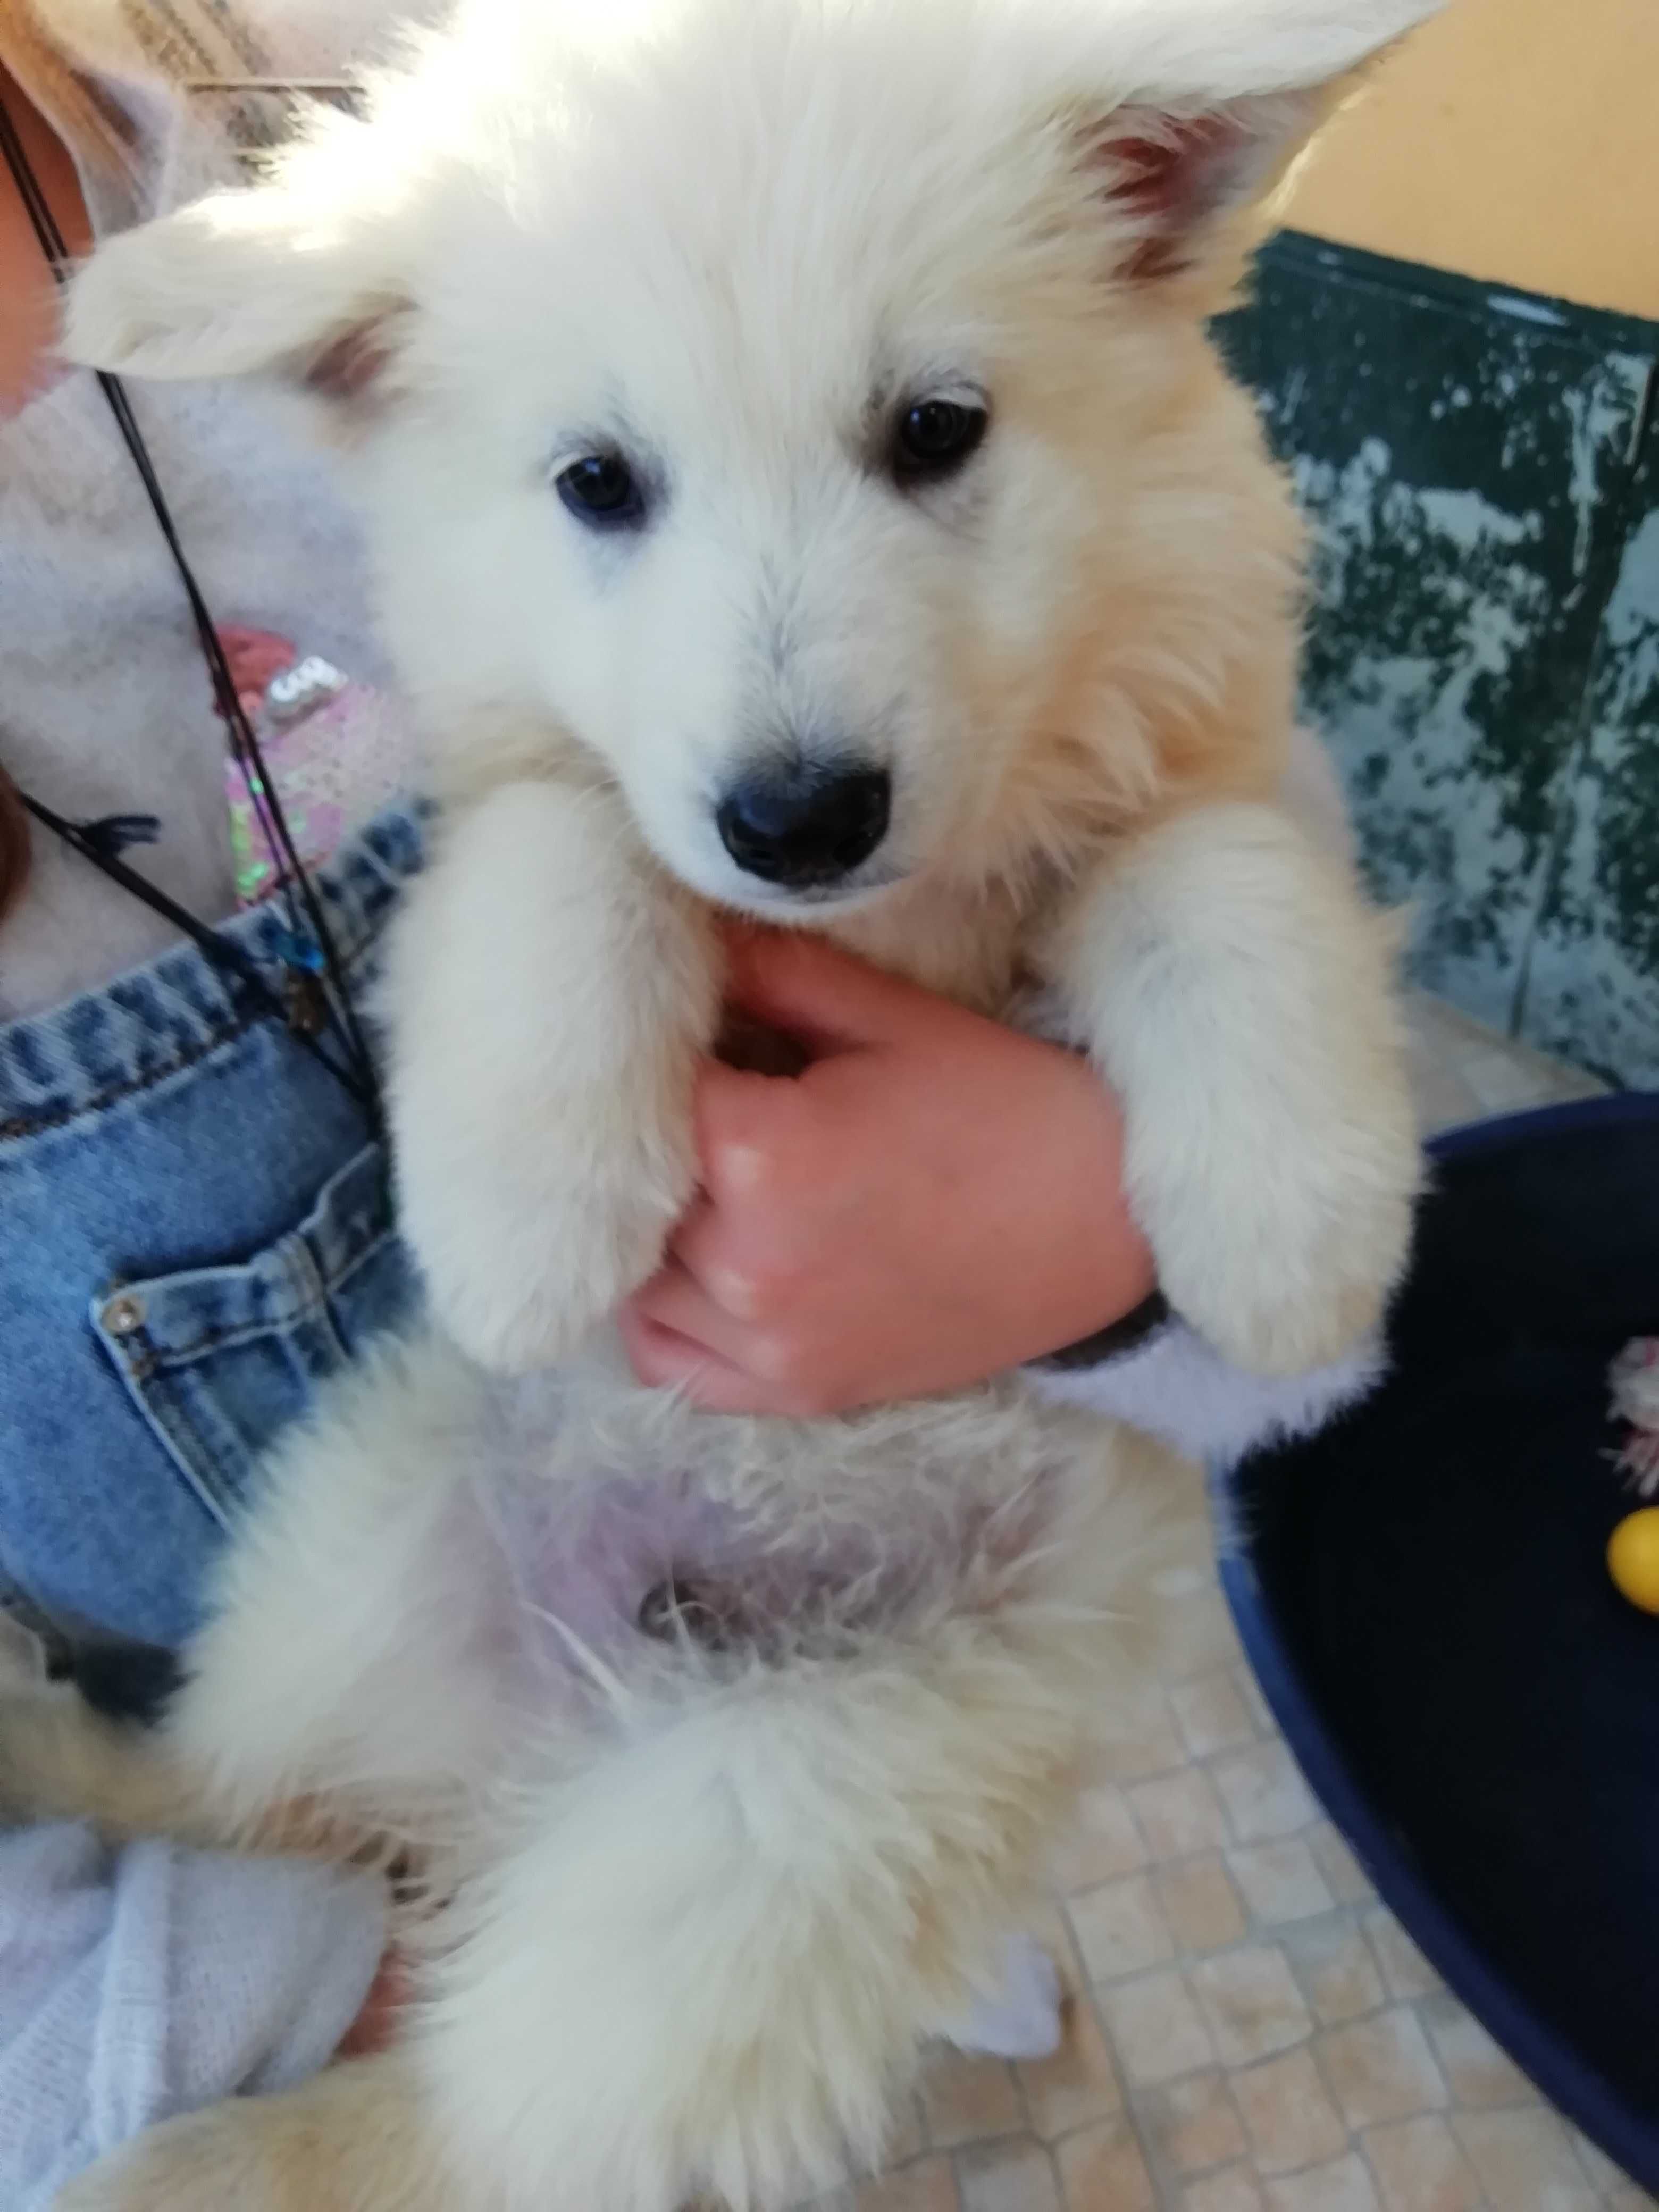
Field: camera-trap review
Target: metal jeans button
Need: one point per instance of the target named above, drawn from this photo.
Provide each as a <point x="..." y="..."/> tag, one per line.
<point x="123" y="1315"/>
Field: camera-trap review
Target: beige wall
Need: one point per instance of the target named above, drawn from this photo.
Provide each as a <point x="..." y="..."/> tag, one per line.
<point x="1515" y="140"/>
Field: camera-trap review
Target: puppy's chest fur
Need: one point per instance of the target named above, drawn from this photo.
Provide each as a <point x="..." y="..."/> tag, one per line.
<point x="968" y="942"/>
<point x="978" y="942"/>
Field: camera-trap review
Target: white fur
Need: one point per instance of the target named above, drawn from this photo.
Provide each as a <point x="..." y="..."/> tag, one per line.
<point x="703" y="1914"/>
<point x="590" y="1067"/>
<point x="1236" y="999"/>
<point x="706" y="1903"/>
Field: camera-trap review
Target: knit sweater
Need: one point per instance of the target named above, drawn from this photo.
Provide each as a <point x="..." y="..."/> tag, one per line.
<point x="141" y="1983"/>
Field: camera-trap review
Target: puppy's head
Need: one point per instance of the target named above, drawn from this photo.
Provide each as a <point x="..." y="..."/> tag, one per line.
<point x="800" y="407"/>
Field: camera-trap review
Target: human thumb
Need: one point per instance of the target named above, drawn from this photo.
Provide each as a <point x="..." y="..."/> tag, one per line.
<point x="815" y="992"/>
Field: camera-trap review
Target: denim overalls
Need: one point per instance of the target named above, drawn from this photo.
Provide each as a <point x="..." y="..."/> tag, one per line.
<point x="196" y="1226"/>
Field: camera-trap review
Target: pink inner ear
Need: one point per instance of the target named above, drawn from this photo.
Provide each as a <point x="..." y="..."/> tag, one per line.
<point x="347" y="365"/>
<point x="1170" y="180"/>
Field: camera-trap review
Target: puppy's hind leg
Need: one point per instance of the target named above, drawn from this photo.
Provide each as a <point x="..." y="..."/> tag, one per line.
<point x="339" y="1661"/>
<point x="352" y="2140"/>
<point x="718" y="1945"/>
<point x="59" y="1761"/>
<point x="330" y="1656"/>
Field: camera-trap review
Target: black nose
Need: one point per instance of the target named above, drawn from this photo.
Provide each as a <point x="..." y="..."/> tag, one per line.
<point x="803" y="826"/>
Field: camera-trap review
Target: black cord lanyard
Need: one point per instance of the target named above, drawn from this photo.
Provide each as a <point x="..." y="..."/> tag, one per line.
<point x="314" y="1003"/>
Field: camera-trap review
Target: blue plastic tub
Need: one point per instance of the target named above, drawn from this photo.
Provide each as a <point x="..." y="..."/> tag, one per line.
<point x="1423" y="1594"/>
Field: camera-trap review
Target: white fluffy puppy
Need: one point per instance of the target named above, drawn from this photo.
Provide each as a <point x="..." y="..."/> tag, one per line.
<point x="800" y="481"/>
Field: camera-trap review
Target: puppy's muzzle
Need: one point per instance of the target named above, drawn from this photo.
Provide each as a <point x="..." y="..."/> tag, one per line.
<point x="805" y="825"/>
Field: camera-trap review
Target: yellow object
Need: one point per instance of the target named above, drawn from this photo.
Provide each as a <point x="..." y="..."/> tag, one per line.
<point x="1510" y="140"/>
<point x="1633" y="1557"/>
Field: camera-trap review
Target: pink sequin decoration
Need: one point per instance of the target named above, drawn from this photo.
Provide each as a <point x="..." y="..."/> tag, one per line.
<point x="332" y="763"/>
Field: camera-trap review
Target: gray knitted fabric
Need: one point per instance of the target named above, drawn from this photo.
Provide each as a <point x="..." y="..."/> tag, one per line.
<point x="150" y="1981"/>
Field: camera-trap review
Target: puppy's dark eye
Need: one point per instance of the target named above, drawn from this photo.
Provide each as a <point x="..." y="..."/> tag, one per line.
<point x="602" y="491"/>
<point x="935" y="437"/>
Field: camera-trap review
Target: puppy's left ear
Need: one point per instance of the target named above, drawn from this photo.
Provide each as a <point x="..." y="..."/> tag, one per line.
<point x="1227" y="93"/>
<point x="303" y="277"/>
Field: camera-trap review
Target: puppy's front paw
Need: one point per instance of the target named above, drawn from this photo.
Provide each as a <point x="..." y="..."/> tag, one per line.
<point x="1240" y="996"/>
<point x="527" y="1243"/>
<point x="1282" y="1256"/>
<point x="548" y="994"/>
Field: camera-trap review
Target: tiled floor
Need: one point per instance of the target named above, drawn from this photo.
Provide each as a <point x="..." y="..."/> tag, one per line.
<point x="1249" y="2030"/>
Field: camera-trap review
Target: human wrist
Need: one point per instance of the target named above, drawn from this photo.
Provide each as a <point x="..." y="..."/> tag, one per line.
<point x="1126" y="1334"/>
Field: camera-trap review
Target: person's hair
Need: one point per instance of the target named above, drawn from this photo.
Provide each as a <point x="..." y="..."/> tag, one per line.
<point x="82" y="113"/>
<point x="14" y="846"/>
<point x="94" y="129"/>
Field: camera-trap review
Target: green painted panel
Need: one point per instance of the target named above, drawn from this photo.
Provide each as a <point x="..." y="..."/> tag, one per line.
<point x="1482" y="603"/>
<point x="1593" y="989"/>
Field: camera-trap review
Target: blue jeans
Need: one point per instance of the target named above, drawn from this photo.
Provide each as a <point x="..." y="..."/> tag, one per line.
<point x="196" y="1226"/>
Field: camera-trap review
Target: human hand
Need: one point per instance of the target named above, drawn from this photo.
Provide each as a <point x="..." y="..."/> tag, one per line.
<point x="376" y="2022"/>
<point x="29" y="326"/>
<point x="934" y="1199"/>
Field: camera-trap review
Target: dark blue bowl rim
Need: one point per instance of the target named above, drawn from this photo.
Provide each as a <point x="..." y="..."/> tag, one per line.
<point x="1628" y="2136"/>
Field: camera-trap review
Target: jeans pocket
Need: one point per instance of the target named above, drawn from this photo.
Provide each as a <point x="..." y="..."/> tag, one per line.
<point x="219" y="1360"/>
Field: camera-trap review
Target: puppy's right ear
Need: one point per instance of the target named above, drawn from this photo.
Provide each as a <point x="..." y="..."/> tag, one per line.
<point x="1211" y="100"/>
<point x="281" y="277"/>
